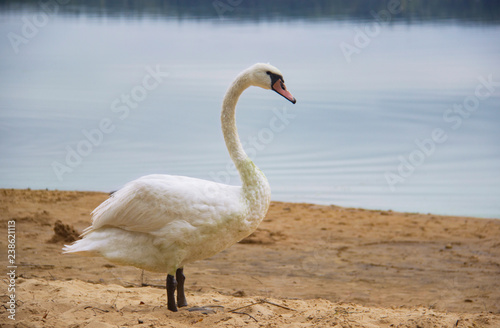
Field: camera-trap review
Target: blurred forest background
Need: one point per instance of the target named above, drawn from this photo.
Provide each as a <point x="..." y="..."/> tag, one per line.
<point x="412" y="10"/>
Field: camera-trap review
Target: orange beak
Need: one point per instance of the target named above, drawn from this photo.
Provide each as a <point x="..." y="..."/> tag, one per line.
<point x="280" y="88"/>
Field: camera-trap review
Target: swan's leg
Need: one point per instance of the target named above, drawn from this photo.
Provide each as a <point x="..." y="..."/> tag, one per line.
<point x="171" y="286"/>
<point x="181" y="297"/>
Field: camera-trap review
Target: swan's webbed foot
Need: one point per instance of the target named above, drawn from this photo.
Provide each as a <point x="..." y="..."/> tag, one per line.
<point x="181" y="297"/>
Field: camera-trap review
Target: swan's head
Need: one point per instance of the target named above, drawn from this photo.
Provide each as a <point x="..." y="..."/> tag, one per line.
<point x="269" y="77"/>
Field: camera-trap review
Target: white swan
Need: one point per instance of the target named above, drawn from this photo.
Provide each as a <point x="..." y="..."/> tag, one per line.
<point x="162" y="222"/>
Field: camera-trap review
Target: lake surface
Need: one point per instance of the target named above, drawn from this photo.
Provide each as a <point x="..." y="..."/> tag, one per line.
<point x="390" y="114"/>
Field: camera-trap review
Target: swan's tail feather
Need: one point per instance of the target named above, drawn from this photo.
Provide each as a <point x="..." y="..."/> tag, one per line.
<point x="80" y="246"/>
<point x="87" y="246"/>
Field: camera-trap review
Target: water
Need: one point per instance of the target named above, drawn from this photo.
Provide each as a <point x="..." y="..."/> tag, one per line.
<point x="361" y="133"/>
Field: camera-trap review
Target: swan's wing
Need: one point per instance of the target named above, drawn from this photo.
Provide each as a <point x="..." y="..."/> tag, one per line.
<point x="156" y="202"/>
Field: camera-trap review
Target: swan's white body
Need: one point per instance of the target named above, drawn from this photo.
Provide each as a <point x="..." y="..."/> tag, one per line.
<point x="161" y="222"/>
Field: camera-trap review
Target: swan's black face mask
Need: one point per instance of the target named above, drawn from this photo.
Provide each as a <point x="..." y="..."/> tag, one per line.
<point x="278" y="85"/>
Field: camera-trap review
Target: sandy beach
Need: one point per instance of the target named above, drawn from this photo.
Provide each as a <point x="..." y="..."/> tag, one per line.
<point x="306" y="266"/>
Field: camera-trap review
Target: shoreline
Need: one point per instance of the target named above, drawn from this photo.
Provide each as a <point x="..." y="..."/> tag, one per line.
<point x="494" y="217"/>
<point x="333" y="259"/>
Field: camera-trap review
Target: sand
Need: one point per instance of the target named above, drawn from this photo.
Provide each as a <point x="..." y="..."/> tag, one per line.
<point x="306" y="266"/>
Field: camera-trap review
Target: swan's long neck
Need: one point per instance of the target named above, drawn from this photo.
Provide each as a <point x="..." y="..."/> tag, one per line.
<point x="255" y="186"/>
